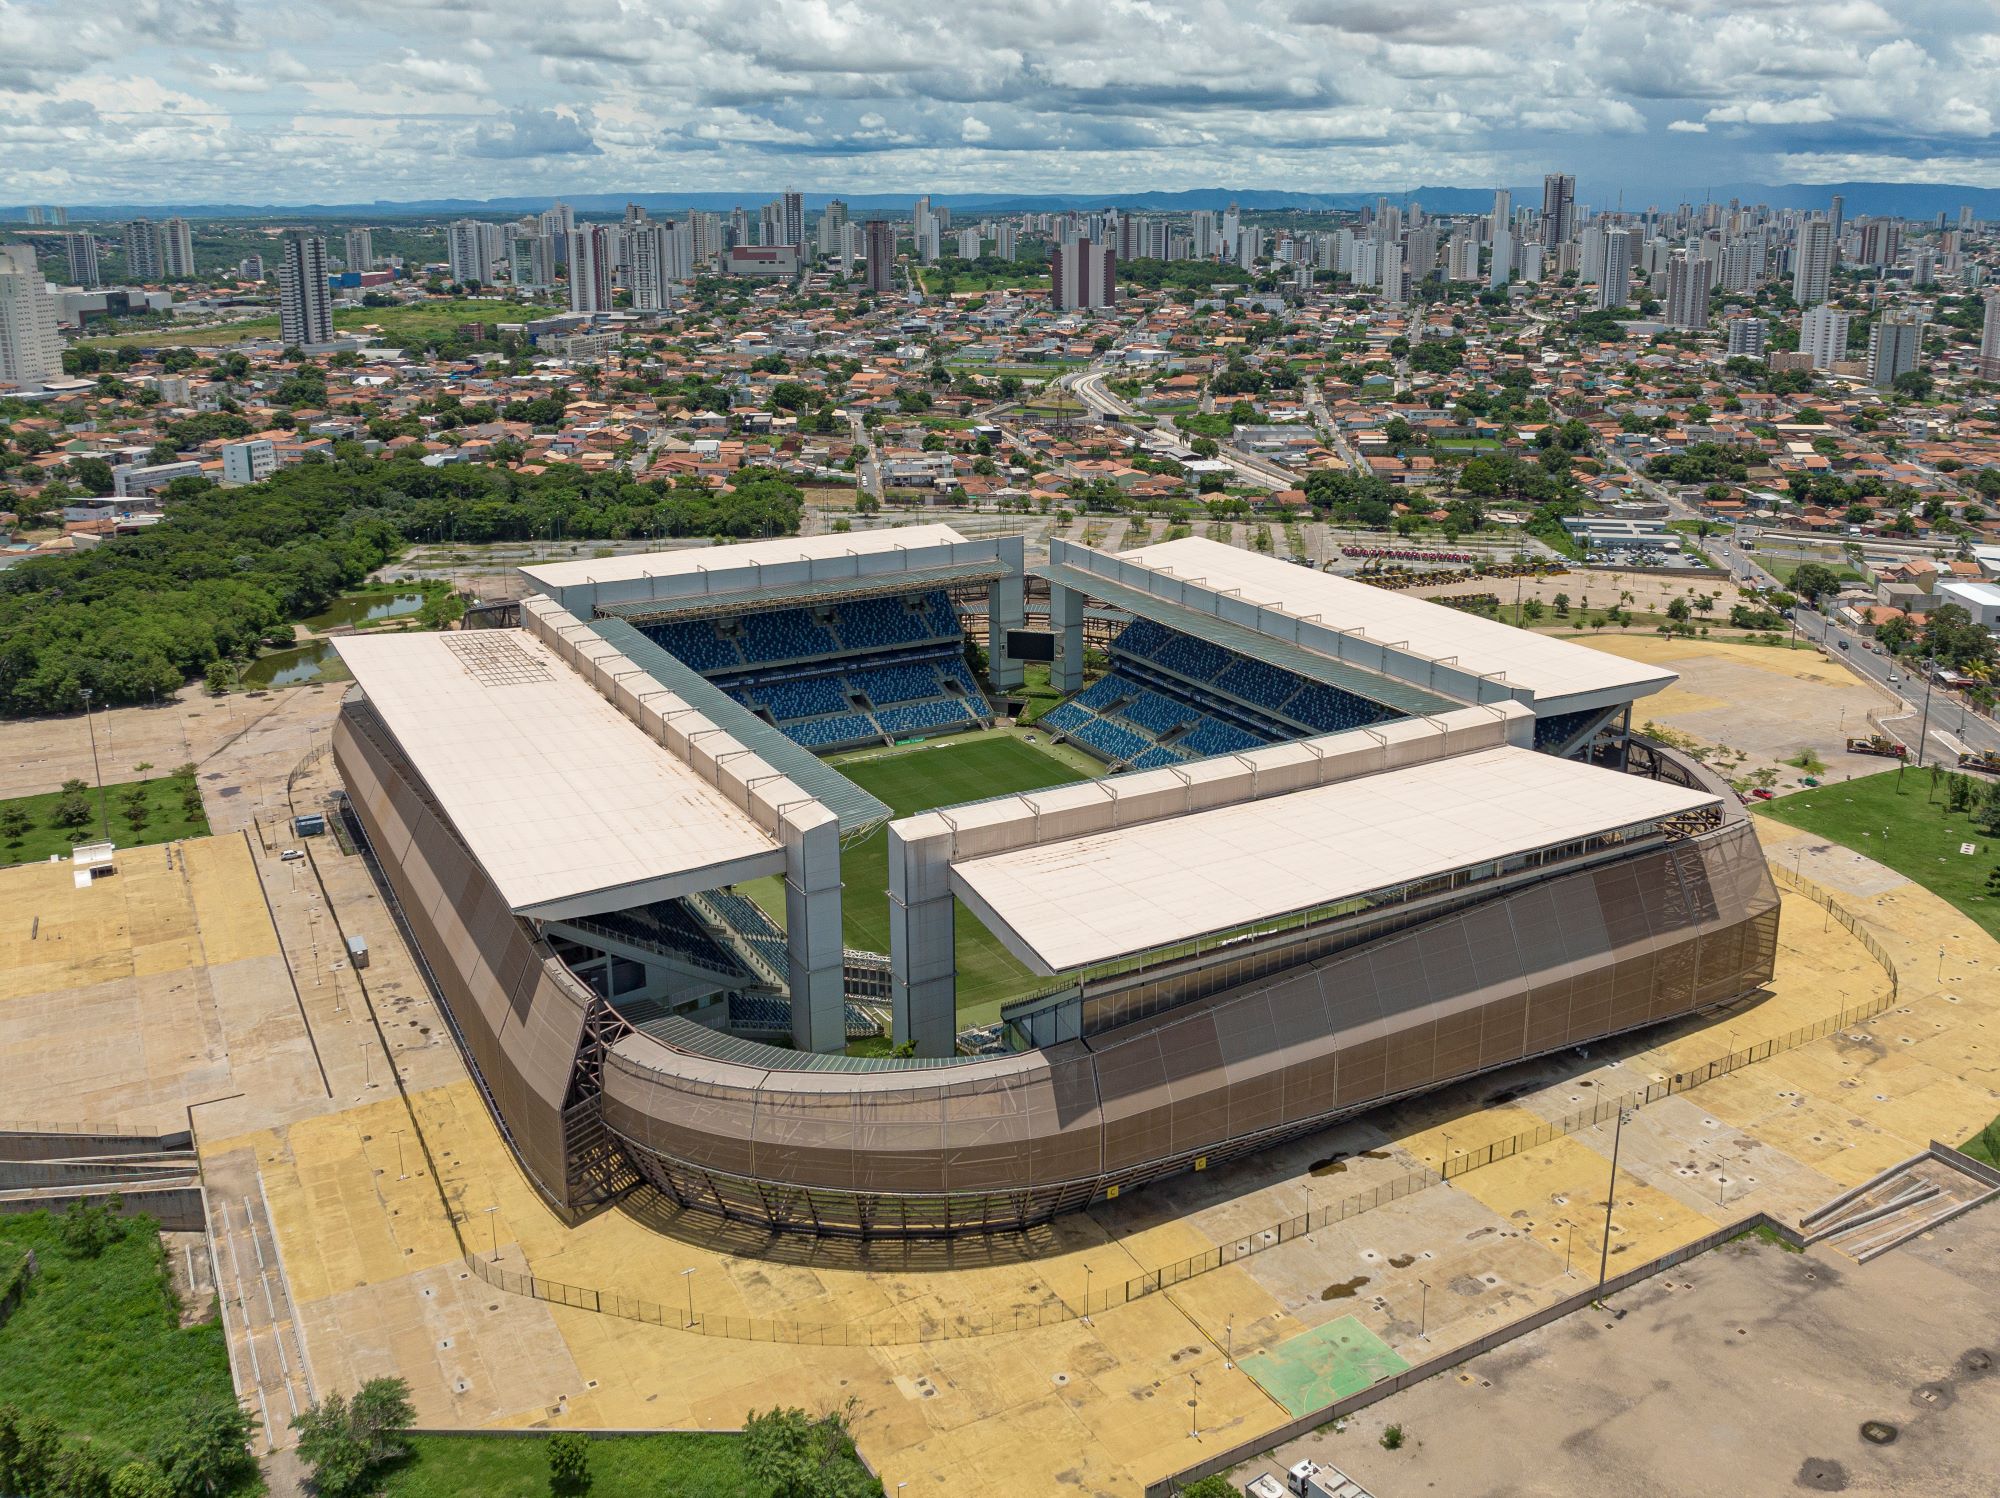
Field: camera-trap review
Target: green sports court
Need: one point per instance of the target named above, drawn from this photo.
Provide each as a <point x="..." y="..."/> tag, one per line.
<point x="1310" y="1371"/>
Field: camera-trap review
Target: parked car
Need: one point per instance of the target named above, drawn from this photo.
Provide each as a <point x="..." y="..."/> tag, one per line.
<point x="290" y="855"/>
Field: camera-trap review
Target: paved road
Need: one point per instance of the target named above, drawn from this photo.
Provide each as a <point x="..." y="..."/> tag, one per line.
<point x="1088" y="386"/>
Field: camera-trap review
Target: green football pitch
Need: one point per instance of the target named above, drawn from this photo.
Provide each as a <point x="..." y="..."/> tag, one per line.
<point x="943" y="772"/>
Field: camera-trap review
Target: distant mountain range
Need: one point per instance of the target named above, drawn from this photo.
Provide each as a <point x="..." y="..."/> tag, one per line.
<point x="1900" y="199"/>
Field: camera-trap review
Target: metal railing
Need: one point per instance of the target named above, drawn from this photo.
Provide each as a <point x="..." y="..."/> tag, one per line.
<point x="904" y="1327"/>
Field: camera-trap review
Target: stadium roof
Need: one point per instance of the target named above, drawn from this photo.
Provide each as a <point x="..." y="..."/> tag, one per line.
<point x="568" y="806"/>
<point x="1066" y="905"/>
<point x="846" y="800"/>
<point x="1548" y="667"/>
<point x="684" y="560"/>
<point x="740" y="600"/>
<point x="1385" y="690"/>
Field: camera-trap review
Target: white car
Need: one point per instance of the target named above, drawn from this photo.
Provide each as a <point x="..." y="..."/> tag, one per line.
<point x="1894" y="679"/>
<point x="290" y="855"/>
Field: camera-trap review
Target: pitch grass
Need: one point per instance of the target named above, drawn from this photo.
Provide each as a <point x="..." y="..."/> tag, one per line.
<point x="685" y="1464"/>
<point x="1898" y="818"/>
<point x="166" y="821"/>
<point x="98" y="1347"/>
<point x="942" y="772"/>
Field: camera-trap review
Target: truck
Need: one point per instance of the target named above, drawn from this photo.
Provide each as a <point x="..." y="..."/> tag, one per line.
<point x="1310" y="1479"/>
<point x="1879" y="743"/>
<point x="1979" y="759"/>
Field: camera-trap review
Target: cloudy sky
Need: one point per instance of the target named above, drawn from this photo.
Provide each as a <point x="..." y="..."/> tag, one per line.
<point x="289" y="101"/>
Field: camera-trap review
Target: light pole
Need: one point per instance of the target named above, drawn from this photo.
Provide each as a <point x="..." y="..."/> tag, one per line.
<point x="90" y="727"/>
<point x="1229" y="1346"/>
<point x="1424" y="1311"/>
<point x="1924" y="730"/>
<point x="1194" y="1408"/>
<point x="401" y="1174"/>
<point x="367" y="1064"/>
<point x="1086" y="1295"/>
<point x="493" y="1223"/>
<point x="686" y="1279"/>
<point x="1611" y="1197"/>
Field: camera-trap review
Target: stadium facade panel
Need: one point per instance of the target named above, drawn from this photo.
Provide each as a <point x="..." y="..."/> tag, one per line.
<point x="1176" y="1055"/>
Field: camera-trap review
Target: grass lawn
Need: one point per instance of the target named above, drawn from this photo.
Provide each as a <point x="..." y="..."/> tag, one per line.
<point x="943" y="772"/>
<point x="393" y="322"/>
<point x="1783" y="571"/>
<point x="166" y="820"/>
<point x="97" y="1346"/>
<point x="1908" y="829"/>
<point x="683" y="1464"/>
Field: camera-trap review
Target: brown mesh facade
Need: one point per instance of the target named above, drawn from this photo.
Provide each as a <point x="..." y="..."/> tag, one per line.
<point x="1016" y="1139"/>
<point x="1612" y="948"/>
<point x="517" y="1011"/>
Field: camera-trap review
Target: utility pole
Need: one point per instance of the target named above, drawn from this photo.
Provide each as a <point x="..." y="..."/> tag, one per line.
<point x="1924" y="732"/>
<point x="96" y="769"/>
<point x="1611" y="1197"/>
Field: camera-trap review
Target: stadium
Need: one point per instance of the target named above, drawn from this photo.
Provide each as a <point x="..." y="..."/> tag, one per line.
<point x="737" y="883"/>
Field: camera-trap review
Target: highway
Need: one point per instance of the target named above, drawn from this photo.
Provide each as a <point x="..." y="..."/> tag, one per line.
<point x="1087" y="385"/>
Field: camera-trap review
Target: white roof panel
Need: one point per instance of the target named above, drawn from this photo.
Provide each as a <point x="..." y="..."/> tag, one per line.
<point x="1090" y="899"/>
<point x="565" y="802"/>
<point x="1549" y="667"/>
<point x="689" y="559"/>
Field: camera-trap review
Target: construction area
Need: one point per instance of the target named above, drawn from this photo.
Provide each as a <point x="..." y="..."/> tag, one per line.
<point x="368" y="1218"/>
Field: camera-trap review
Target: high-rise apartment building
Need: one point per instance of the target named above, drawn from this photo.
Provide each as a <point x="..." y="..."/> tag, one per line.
<point x="80" y="248"/>
<point x="792" y="219"/>
<point x="358" y="249"/>
<point x="878" y="248"/>
<point x="1812" y="262"/>
<point x="177" y="248"/>
<point x="1558" y="208"/>
<point x="531" y="260"/>
<point x="1743" y="263"/>
<point x="661" y="258"/>
<point x="1395" y="279"/>
<point x="1823" y="336"/>
<point x="1007" y="242"/>
<point x="1689" y="278"/>
<point x="1083" y="276"/>
<point x="1881" y="242"/>
<point x="305" y="305"/>
<point x="1747" y="336"/>
<point x="1893" y="346"/>
<point x="1989" y="339"/>
<point x="831" y="222"/>
<point x="465" y="247"/>
<point x="144" y="260"/>
<point x="590" y="281"/>
<point x="1501" y="270"/>
<point x="1615" y="284"/>
<point x="30" y="341"/>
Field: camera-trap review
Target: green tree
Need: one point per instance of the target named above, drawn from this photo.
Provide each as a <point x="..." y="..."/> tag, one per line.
<point x="795" y="1455"/>
<point x="140" y="1480"/>
<point x="14" y="825"/>
<point x="1814" y="581"/>
<point x="217" y="678"/>
<point x="345" y="1442"/>
<point x="208" y="1450"/>
<point x="569" y="1462"/>
<point x="79" y="1472"/>
<point x="88" y="1228"/>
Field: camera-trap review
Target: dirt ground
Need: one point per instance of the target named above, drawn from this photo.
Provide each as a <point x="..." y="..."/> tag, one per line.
<point x="1747" y="1370"/>
<point x="1757" y="706"/>
<point x="1641" y="592"/>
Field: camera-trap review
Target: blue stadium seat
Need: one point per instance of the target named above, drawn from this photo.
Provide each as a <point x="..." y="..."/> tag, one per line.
<point x="1258" y="682"/>
<point x="1111" y="739"/>
<point x="897" y="683"/>
<point x="915" y="717"/>
<point x="1066" y="718"/>
<point x="783" y="635"/>
<point x="1213" y="736"/>
<point x="833" y="733"/>
<point x="802" y="697"/>
<point x="1157" y="714"/>
<point x="695" y="642"/>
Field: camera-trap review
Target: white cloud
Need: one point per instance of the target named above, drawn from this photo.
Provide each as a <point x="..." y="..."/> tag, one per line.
<point x="485" y="97"/>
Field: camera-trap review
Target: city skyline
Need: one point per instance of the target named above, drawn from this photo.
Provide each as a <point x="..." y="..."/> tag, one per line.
<point x="351" y="100"/>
